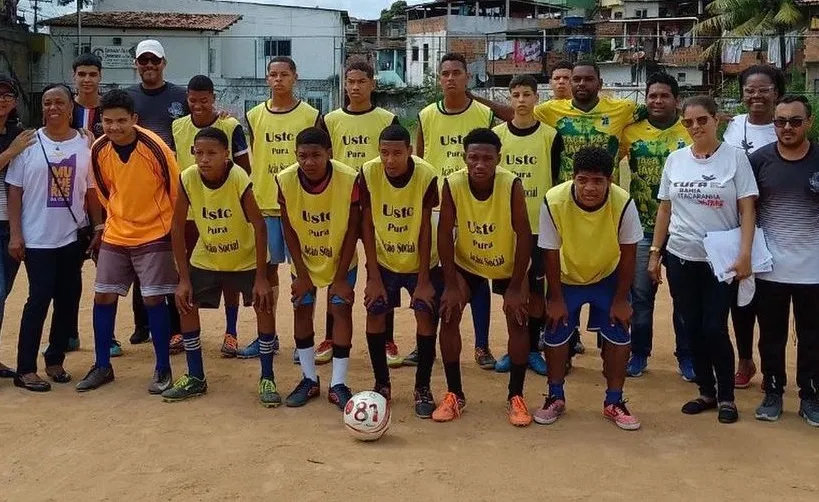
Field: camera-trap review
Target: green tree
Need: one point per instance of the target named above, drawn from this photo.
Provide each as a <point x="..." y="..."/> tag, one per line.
<point x="396" y="9"/>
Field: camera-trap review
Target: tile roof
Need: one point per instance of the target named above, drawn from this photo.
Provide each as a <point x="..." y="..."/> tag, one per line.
<point x="153" y="20"/>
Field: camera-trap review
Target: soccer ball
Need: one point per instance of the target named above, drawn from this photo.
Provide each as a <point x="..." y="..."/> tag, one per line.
<point x="367" y="416"/>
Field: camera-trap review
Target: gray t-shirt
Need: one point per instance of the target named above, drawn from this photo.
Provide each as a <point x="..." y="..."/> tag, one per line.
<point x="704" y="195"/>
<point x="788" y="213"/>
<point x="158" y="108"/>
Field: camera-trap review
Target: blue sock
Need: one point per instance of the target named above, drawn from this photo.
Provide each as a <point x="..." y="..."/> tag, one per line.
<point x="613" y="397"/>
<point x="193" y="354"/>
<point x="556" y="391"/>
<point x="266" y="353"/>
<point x="231" y="318"/>
<point x="481" y="304"/>
<point x="104" y="317"/>
<point x="159" y="322"/>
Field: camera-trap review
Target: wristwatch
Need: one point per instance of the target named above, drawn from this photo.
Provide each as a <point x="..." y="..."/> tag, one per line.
<point x="653" y="249"/>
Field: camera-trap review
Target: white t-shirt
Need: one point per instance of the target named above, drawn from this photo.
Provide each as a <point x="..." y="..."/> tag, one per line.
<point x="46" y="221"/>
<point x="631" y="231"/>
<point x="748" y="137"/>
<point x="704" y="195"/>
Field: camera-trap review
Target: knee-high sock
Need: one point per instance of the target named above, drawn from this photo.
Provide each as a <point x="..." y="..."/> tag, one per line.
<point x="159" y="321"/>
<point x="104" y="318"/>
<point x="193" y="354"/>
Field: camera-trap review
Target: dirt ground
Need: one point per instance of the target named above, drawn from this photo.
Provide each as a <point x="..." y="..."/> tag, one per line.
<point x="119" y="443"/>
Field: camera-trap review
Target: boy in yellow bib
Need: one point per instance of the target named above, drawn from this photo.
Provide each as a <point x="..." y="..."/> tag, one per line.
<point x="231" y="253"/>
<point x="398" y="192"/>
<point x="589" y="229"/>
<point x="487" y="208"/>
<point x="321" y="218"/>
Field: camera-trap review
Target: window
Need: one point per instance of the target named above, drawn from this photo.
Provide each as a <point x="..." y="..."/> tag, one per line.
<point x="426" y="52"/>
<point x="681" y="78"/>
<point x="276" y="47"/>
<point x="642" y="13"/>
<point x="317" y="103"/>
<point x="211" y="61"/>
<point x="415" y="53"/>
<point x="618" y="15"/>
<point x="83" y="49"/>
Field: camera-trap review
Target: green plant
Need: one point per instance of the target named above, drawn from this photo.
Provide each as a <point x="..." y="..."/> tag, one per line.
<point x="602" y="51"/>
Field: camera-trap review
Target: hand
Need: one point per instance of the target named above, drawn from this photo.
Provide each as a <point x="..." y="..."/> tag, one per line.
<point x="17" y="248"/>
<point x="620" y="313"/>
<point x="452" y="303"/>
<point x="342" y="289"/>
<point x="425" y="293"/>
<point x="184" y="297"/>
<point x="515" y="301"/>
<point x="88" y="135"/>
<point x="300" y="287"/>
<point x="556" y="314"/>
<point x="654" y="268"/>
<point x="261" y="294"/>
<point x="94" y="247"/>
<point x="23" y="140"/>
<point x="374" y="290"/>
<point x="742" y="267"/>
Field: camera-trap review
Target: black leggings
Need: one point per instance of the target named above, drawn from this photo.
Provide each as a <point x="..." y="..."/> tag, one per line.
<point x="743" y="320"/>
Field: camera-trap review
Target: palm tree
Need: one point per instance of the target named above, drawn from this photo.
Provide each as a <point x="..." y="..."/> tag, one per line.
<point x="749" y="18"/>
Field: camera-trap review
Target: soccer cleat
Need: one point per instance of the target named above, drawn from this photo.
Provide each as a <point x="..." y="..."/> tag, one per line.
<point x="161" y="381"/>
<point x="622" y="418"/>
<point x="411" y="359"/>
<point x="424" y="403"/>
<point x="686" y="370"/>
<point x="230" y="346"/>
<point x="384" y="390"/>
<point x="394" y="359"/>
<point x="518" y="412"/>
<point x="249" y="352"/>
<point x="96" y="377"/>
<point x="770" y="409"/>
<point x="553" y="409"/>
<point x="306" y="390"/>
<point x="484" y="358"/>
<point x="809" y="410"/>
<point x="73" y="344"/>
<point x="450" y="408"/>
<point x="637" y="364"/>
<point x="324" y="352"/>
<point x="116" y="348"/>
<point x="177" y="344"/>
<point x="186" y="387"/>
<point x="504" y="364"/>
<point x="742" y="379"/>
<point x="339" y="394"/>
<point x="268" y="393"/>
<point x="140" y="335"/>
<point x="537" y="363"/>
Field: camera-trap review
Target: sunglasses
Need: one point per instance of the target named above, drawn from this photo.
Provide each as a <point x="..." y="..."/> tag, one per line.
<point x="144" y="60"/>
<point x="689" y="123"/>
<point x="795" y="122"/>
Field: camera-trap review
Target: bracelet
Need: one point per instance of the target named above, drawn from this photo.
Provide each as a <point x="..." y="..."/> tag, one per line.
<point x="99" y="228"/>
<point x="653" y="249"/>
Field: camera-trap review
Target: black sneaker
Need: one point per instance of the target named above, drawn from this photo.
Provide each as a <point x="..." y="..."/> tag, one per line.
<point x="339" y="394"/>
<point x="96" y="378"/>
<point x="424" y="403"/>
<point x="697" y="406"/>
<point x="140" y="335"/>
<point x="411" y="359"/>
<point x="727" y="413"/>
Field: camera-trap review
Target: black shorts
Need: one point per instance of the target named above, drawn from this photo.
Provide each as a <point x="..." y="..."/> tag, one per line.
<point x="537" y="270"/>
<point x="208" y="286"/>
<point x="476" y="282"/>
<point x="394" y="282"/>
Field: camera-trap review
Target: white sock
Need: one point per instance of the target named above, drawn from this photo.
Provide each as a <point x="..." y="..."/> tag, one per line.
<point x="307" y="361"/>
<point x="339" y="370"/>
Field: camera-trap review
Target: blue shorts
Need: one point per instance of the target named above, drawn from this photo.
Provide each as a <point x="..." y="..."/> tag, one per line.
<point x="310" y="297"/>
<point x="276" y="245"/>
<point x="394" y="282"/>
<point x="599" y="296"/>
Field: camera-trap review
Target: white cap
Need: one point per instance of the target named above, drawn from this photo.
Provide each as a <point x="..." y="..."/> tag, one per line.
<point x="150" y="46"/>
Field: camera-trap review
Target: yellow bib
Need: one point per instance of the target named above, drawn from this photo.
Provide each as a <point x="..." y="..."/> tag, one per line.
<point x="530" y="159"/>
<point x="484" y="238"/>
<point x="444" y="132"/>
<point x="227" y="241"/>
<point x="319" y="220"/>
<point x="397" y="215"/>
<point x="274" y="148"/>
<point x="355" y="135"/>
<point x="590" y="244"/>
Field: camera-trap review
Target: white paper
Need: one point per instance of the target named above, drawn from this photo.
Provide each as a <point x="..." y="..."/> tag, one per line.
<point x="722" y="250"/>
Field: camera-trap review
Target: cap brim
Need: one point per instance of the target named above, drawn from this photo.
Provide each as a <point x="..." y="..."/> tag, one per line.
<point x="161" y="56"/>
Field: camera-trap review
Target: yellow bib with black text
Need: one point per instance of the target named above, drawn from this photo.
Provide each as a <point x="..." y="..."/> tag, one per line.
<point x="355" y="135"/>
<point x="444" y="133"/>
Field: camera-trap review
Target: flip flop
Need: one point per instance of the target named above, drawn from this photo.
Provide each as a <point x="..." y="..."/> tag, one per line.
<point x="37" y="386"/>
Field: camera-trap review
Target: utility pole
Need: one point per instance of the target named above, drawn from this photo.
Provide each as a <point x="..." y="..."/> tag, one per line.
<point x="79" y="27"/>
<point x="36" y="9"/>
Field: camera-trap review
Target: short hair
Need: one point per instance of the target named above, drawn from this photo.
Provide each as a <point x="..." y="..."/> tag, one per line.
<point x="214" y="134"/>
<point x="361" y="66"/>
<point x="593" y="159"/>
<point x="704" y="101"/>
<point x="117" y="98"/>
<point x="523" y="81"/>
<point x="482" y="136"/>
<point x="395" y="132"/>
<point x="454" y="56"/>
<point x="314" y="136"/>
<point x="200" y="83"/>
<point x="797" y="98"/>
<point x="664" y="78"/>
<point x="283" y="59"/>
<point x="87" y="59"/>
<point x="64" y="88"/>
<point x="587" y="62"/>
<point x="775" y="74"/>
<point x="562" y="65"/>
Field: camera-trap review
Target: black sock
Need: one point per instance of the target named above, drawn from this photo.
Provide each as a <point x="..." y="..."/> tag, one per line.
<point x="378" y="357"/>
<point x="535" y="327"/>
<point x="390" y="330"/>
<point x="328" y="326"/>
<point x="453" y="378"/>
<point x="426" y="356"/>
<point x="517" y="374"/>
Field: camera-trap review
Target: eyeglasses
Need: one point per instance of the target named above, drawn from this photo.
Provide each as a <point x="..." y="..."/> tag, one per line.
<point x="144" y="60"/>
<point x="781" y="122"/>
<point x="8" y="96"/>
<point x="701" y="121"/>
<point x="762" y="91"/>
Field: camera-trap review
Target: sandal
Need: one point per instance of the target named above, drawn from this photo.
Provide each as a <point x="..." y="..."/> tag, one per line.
<point x="697" y="406"/>
<point x="36" y="385"/>
<point x="58" y="374"/>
